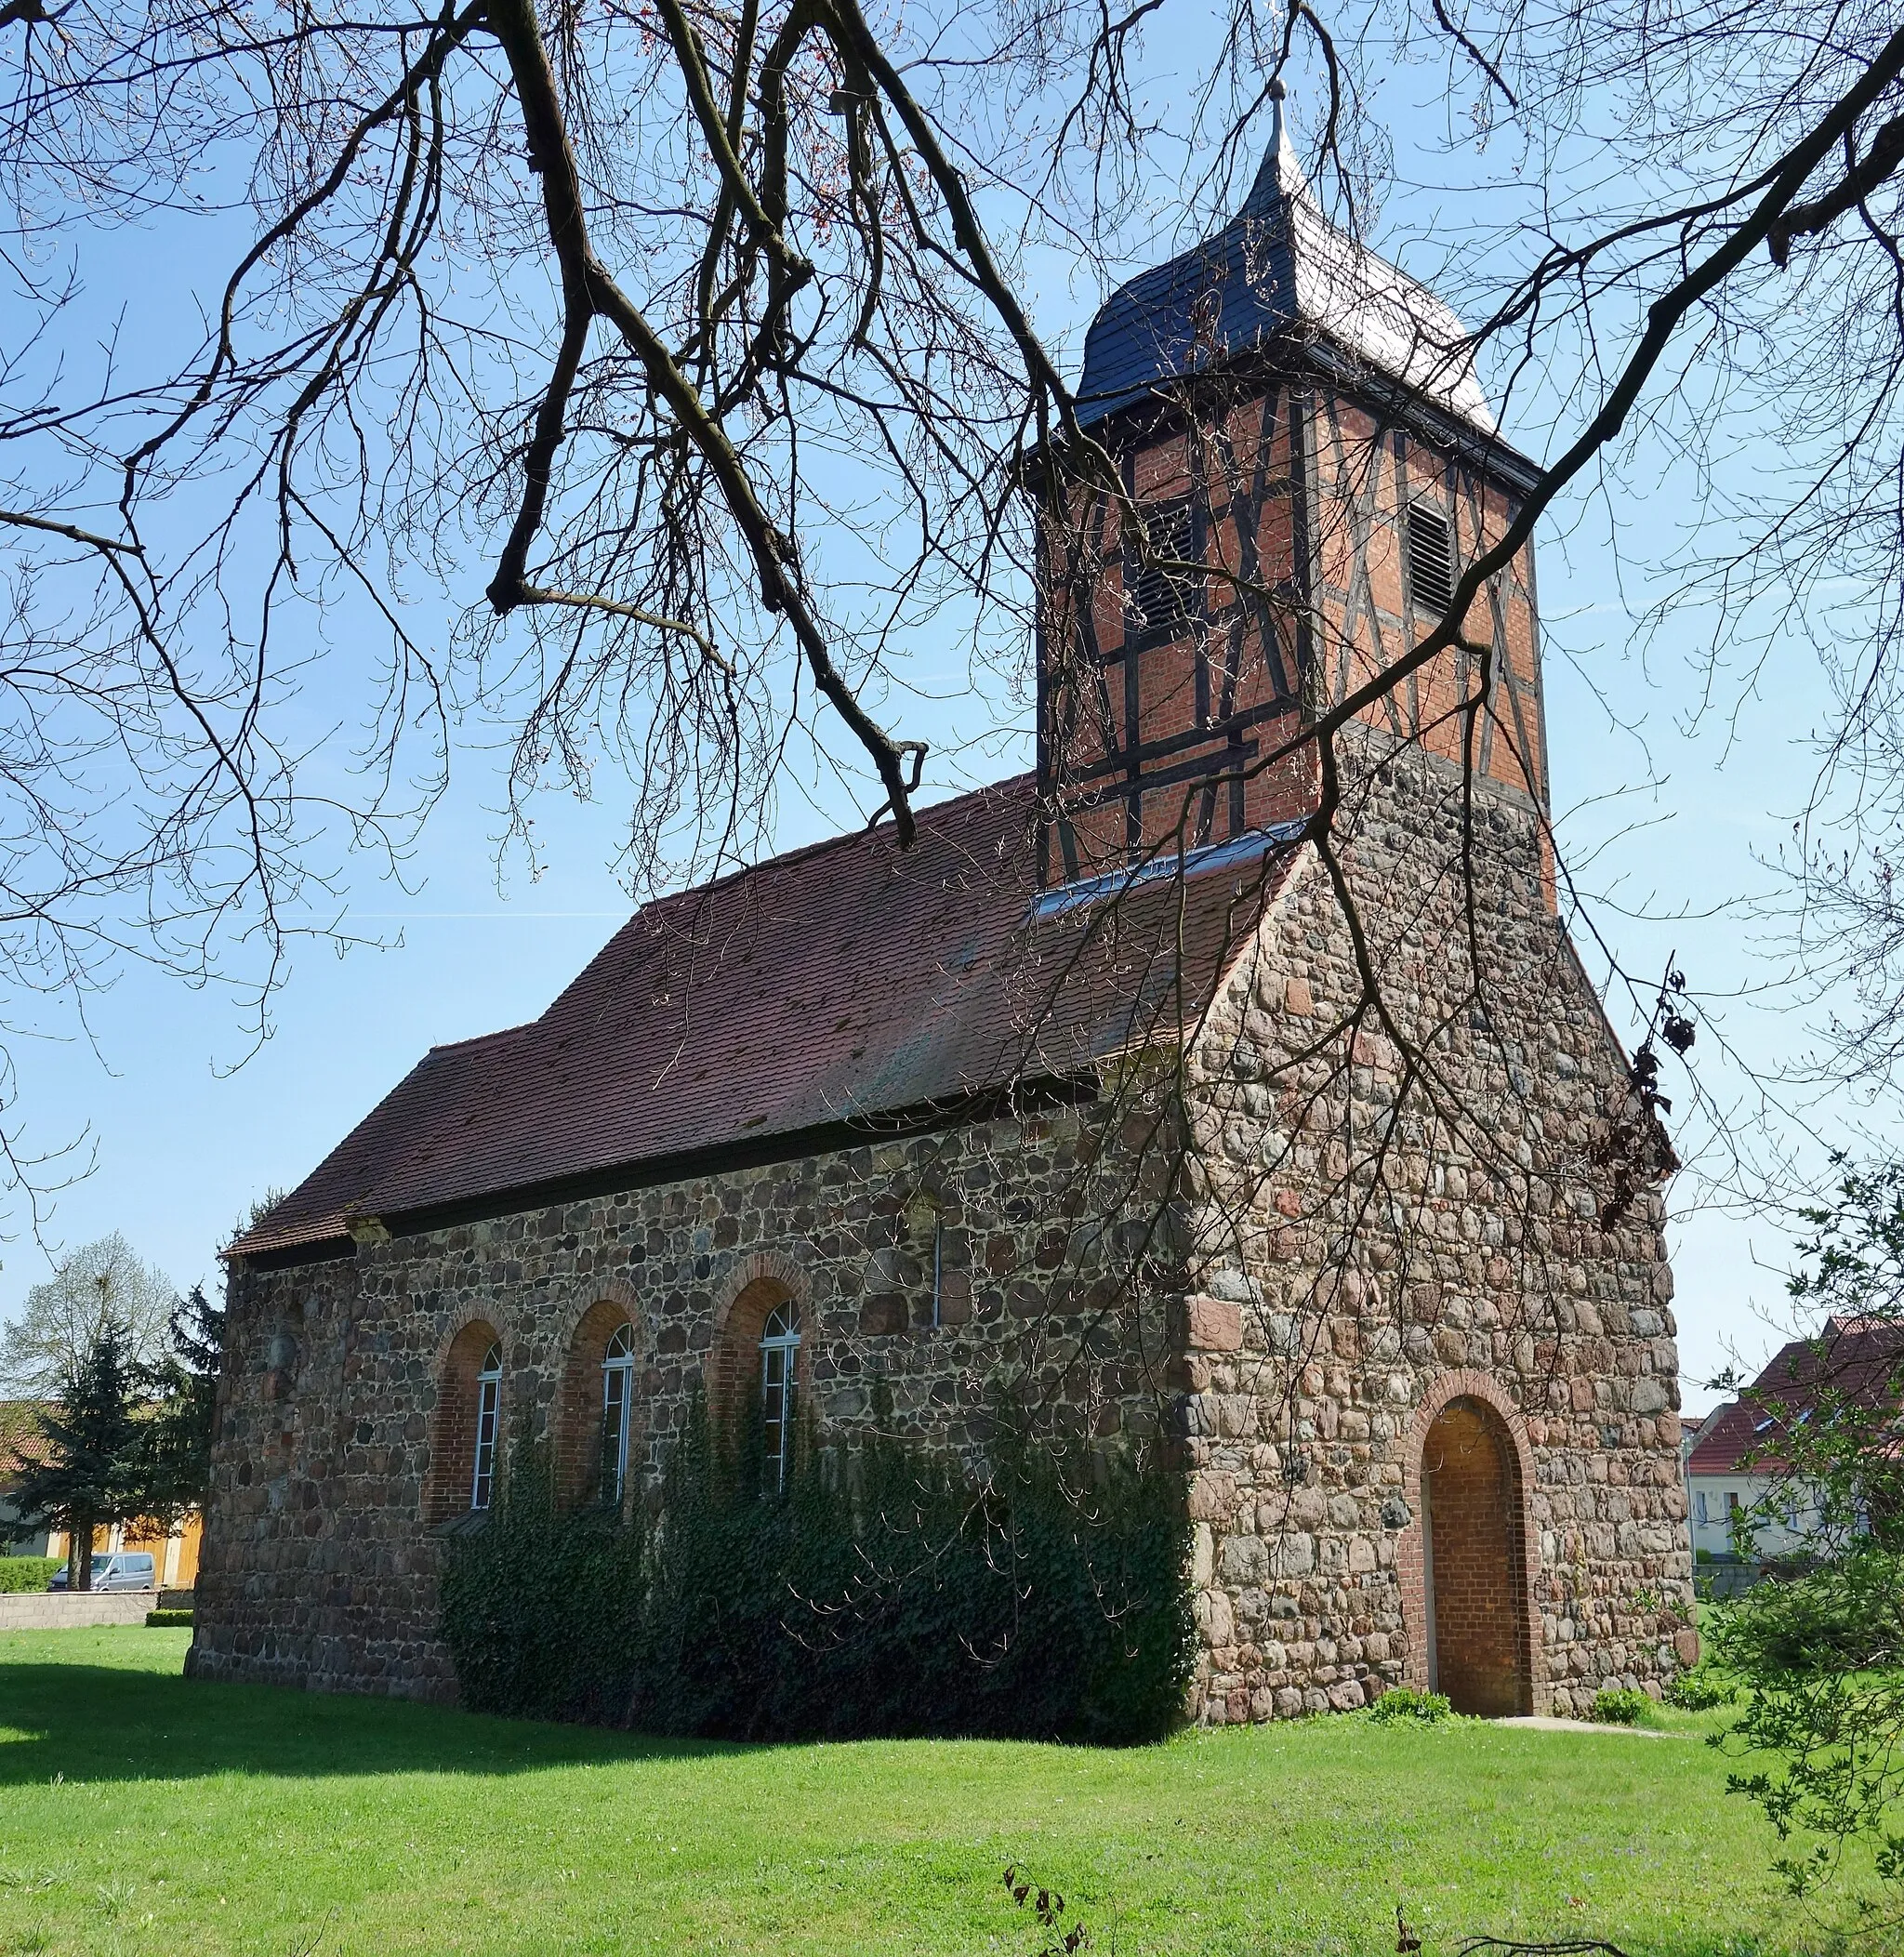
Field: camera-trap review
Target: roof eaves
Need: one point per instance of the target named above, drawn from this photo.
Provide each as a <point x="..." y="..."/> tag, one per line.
<point x="767" y="1147"/>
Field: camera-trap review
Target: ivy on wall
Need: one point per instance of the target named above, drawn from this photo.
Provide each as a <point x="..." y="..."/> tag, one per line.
<point x="882" y="1593"/>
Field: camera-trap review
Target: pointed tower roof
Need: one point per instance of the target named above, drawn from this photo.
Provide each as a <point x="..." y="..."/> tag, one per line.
<point x="1277" y="269"/>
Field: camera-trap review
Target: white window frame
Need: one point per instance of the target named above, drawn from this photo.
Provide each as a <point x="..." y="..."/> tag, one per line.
<point x="617" y="1403"/>
<point x="488" y="1409"/>
<point x="779" y="1366"/>
<point x="938" y="1272"/>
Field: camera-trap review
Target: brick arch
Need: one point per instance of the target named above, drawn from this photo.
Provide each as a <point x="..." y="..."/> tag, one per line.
<point x="452" y="1428"/>
<point x="1519" y="1550"/>
<point x="576" y="1423"/>
<point x="755" y="1289"/>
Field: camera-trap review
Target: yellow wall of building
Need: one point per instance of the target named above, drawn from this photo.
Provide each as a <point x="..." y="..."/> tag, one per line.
<point x="175" y="1556"/>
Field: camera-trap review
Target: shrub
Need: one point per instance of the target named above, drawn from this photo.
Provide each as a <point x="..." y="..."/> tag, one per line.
<point x="168" y="1621"/>
<point x="19" y="1574"/>
<point x="1619" y="1705"/>
<point x="1405" y="1702"/>
<point x="1844" y="1616"/>
<point x="882" y="1593"/>
<point x="1700" y="1690"/>
<point x="539" y="1611"/>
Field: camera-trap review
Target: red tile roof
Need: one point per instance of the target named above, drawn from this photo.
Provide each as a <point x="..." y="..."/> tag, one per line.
<point x="1855" y="1360"/>
<point x="847" y="981"/>
<point x="21" y="1442"/>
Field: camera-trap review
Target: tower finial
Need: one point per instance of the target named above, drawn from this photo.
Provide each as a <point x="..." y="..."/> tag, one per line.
<point x="1280" y="173"/>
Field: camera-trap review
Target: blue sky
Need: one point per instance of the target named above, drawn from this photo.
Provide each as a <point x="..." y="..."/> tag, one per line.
<point x="186" y="1137"/>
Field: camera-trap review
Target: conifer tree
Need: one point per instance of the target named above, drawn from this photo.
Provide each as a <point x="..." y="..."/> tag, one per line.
<point x="96" y="1466"/>
<point x="178" y="1435"/>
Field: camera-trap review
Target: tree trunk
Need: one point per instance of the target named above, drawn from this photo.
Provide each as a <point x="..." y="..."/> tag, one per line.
<point x="82" y="1537"/>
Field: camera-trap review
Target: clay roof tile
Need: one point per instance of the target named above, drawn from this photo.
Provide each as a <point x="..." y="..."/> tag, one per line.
<point x="843" y="983"/>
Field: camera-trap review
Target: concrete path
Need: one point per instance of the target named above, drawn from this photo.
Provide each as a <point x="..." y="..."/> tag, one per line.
<point x="1541" y="1723"/>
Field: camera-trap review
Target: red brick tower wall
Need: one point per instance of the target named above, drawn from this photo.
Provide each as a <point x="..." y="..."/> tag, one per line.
<point x="1160" y="734"/>
<point x="1477" y="704"/>
<point x="1156" y="733"/>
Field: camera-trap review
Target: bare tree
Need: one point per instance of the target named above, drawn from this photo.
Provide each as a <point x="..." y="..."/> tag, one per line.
<point x="98" y="1285"/>
<point x="697" y="337"/>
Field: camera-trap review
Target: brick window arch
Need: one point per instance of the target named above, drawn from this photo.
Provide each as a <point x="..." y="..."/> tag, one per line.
<point x="1473" y="1521"/>
<point x="598" y="1423"/>
<point x="779" y="1372"/>
<point x="466" y="1450"/>
<point x="758" y="1366"/>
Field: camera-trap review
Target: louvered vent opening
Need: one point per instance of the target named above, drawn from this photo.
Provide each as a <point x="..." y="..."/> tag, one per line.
<point x="1154" y="600"/>
<point x="1431" y="561"/>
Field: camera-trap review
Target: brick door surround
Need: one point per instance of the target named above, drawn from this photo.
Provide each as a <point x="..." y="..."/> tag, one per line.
<point x="1465" y="1384"/>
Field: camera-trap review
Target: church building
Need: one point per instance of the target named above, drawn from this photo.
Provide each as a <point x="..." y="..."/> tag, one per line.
<point x="1131" y="1095"/>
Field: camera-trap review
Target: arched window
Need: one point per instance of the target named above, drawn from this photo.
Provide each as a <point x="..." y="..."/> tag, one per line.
<point x="618" y="1399"/>
<point x="488" y="1402"/>
<point x="595" y="1425"/>
<point x="467" y="1430"/>
<point x="779" y="1354"/>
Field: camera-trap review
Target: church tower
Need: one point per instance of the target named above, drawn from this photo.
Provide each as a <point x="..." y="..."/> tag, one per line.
<point x="1298" y="417"/>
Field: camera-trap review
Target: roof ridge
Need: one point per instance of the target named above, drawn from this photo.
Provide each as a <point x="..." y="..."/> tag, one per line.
<point x="842" y="840"/>
<point x="477" y="1039"/>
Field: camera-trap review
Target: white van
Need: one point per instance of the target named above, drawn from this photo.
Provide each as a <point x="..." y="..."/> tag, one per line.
<point x="119" y="1569"/>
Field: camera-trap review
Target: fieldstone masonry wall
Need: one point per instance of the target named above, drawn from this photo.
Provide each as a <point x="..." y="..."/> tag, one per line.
<point x="1382" y="1229"/>
<point x="1368" y="1231"/>
<point x="321" y="1564"/>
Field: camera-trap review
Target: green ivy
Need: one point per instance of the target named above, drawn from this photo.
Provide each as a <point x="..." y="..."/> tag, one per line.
<point x="882" y="1593"/>
<point x="538" y="1607"/>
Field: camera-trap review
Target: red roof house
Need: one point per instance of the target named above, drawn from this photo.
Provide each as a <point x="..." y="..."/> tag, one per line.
<point x="1858" y="1360"/>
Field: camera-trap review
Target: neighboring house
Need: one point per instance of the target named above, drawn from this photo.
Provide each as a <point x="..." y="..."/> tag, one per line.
<point x="1068" y="1094"/>
<point x="1736" y="1469"/>
<point x="1690" y="1425"/>
<point x="175" y="1552"/>
<point x="20" y="1443"/>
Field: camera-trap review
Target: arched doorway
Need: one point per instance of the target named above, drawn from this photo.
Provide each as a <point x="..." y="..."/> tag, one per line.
<point x="1475" y="1559"/>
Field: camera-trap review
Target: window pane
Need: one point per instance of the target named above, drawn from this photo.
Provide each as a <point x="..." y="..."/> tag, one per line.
<point x="779" y="1342"/>
<point x="614" y="1431"/>
<point x="483" y="1483"/>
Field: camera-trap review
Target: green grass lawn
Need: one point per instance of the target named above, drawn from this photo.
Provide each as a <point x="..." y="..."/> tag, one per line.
<point x="143" y="1813"/>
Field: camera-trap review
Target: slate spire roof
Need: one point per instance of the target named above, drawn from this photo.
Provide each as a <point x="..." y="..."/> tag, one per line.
<point x="1279" y="271"/>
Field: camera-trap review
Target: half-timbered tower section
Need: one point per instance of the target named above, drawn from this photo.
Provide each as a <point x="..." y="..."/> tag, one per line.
<point x="1306" y="466"/>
